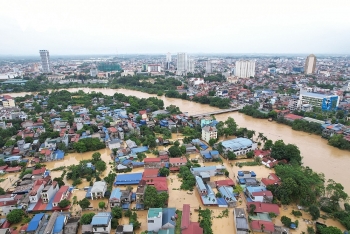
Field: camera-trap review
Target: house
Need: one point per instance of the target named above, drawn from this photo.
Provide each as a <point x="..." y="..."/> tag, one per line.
<point x="160" y="183"/>
<point x="153" y="162"/>
<point x="62" y="193"/>
<point x="118" y="197"/>
<point x="101" y="223"/>
<point x="114" y="144"/>
<point x="161" y="219"/>
<point x="270" y="180"/>
<point x="211" y="170"/>
<point x="261" y="207"/>
<point x="239" y="145"/>
<point x="140" y="192"/>
<point x="35" y="194"/>
<point x="176" y="163"/>
<point x="71" y="226"/>
<point x="292" y="117"/>
<point x="51" y="223"/>
<point x="206" y="121"/>
<point x="130" y="178"/>
<point x="241" y="222"/>
<point x="228" y="195"/>
<point x="209" y="133"/>
<point x="202" y="189"/>
<point x="49" y="191"/>
<point x="150" y="173"/>
<point x="227" y="182"/>
<point x="188" y="227"/>
<point x="262" y="196"/>
<point x="209" y="155"/>
<point x="6" y="206"/>
<point x="98" y="190"/>
<point x="36" y="223"/>
<point x="125" y="229"/>
<point x="262" y="226"/>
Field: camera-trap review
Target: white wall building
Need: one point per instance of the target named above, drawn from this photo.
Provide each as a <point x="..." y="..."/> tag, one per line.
<point x="310" y="64"/>
<point x="45" y="61"/>
<point x="153" y="68"/>
<point x="168" y="57"/>
<point x="181" y="63"/>
<point x="245" y="68"/>
<point x="154" y="219"/>
<point x="190" y="65"/>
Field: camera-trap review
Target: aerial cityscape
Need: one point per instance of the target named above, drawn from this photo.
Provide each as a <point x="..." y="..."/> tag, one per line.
<point x="174" y="125"/>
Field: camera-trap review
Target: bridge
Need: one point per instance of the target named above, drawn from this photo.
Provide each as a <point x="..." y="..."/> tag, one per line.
<point x="216" y="112"/>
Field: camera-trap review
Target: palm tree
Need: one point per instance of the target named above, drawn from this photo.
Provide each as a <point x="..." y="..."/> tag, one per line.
<point x="260" y="136"/>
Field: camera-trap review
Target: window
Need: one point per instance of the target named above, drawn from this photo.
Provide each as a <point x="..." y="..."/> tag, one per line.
<point x="150" y="221"/>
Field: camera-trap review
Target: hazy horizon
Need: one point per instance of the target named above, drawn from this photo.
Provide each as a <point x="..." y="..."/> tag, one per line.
<point x="156" y="27"/>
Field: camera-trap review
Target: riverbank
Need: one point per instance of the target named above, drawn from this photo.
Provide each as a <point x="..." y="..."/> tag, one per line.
<point x="316" y="153"/>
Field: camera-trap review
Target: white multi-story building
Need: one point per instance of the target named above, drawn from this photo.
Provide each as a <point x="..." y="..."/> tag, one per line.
<point x="93" y="72"/>
<point x="45" y="61"/>
<point x="153" y="68"/>
<point x="310" y="64"/>
<point x="208" y="133"/>
<point x="190" y="65"/>
<point x="154" y="219"/>
<point x="245" y="68"/>
<point x="181" y="64"/>
<point x="208" y="67"/>
<point x="168" y="57"/>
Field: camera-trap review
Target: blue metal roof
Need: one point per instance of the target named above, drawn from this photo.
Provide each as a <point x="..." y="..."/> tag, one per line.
<point x="59" y="223"/>
<point x="59" y="154"/>
<point x="132" y="178"/>
<point x="116" y="193"/>
<point x="221" y="201"/>
<point x="34" y="223"/>
<point x="255" y="189"/>
<point x="126" y="206"/>
<point x="168" y="213"/>
<point x="237" y="144"/>
<point x="227" y="192"/>
<point x="206" y="154"/>
<point x="139" y="149"/>
<point x="200" y="183"/>
<point x="88" y="193"/>
<point x="101" y="218"/>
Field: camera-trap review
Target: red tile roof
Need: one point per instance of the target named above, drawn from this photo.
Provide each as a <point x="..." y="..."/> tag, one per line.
<point x="293" y="116"/>
<point x="178" y="160"/>
<point x="264" y="207"/>
<point x="13" y="169"/>
<point x="268" y="226"/>
<point x="160" y="183"/>
<point x="227" y="182"/>
<point x="194" y="228"/>
<point x="150" y="172"/>
<point x="39" y="171"/>
<point x="112" y="129"/>
<point x="262" y="193"/>
<point x="59" y="193"/>
<point x="150" y="160"/>
<point x="261" y="152"/>
<point x="185" y="219"/>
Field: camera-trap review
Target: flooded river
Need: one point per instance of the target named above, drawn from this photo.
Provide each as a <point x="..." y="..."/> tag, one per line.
<point x="316" y="153"/>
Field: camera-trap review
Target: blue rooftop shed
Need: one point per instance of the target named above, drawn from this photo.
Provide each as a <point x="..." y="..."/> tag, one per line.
<point x="35" y="222"/>
<point x="124" y="179"/>
<point x="139" y="149"/>
<point x="59" y="224"/>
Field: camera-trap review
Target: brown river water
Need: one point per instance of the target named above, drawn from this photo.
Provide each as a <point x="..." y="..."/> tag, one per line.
<point x="316" y="153"/>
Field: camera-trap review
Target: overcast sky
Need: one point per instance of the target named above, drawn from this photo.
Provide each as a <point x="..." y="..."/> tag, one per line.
<point x="158" y="26"/>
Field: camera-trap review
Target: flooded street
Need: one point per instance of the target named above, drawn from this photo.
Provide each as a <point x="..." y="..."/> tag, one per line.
<point x="316" y="153"/>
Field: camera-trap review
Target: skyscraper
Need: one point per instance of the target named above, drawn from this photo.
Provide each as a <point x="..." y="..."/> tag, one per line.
<point x="181" y="63"/>
<point x="190" y="66"/>
<point x="310" y="64"/>
<point x="245" y="68"/>
<point x="208" y="67"/>
<point x="45" y="61"/>
<point x="168" y="57"/>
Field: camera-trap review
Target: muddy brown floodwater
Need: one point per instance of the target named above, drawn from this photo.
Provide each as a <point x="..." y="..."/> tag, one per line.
<point x="317" y="154"/>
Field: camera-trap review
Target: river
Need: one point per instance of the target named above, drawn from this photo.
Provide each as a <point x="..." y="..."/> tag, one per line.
<point x="317" y="154"/>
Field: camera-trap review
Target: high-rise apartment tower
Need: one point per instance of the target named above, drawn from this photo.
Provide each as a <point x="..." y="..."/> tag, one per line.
<point x="45" y="61"/>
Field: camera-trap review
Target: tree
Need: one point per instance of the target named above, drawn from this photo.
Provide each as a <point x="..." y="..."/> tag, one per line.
<point x="101" y="205"/>
<point x="335" y="193"/>
<point x="2" y="191"/>
<point x="100" y="166"/>
<point x="231" y="125"/>
<point x="212" y="141"/>
<point x="86" y="218"/>
<point x="174" y="151"/>
<point x="286" y="221"/>
<point x="231" y="155"/>
<point x="64" y="203"/>
<point x="153" y="199"/>
<point x="330" y="230"/>
<point x="177" y="143"/>
<point x="15" y="216"/>
<point x="85" y="203"/>
<point x="268" y="145"/>
<point x="250" y="154"/>
<point x="252" y="208"/>
<point x="117" y="212"/>
<point x="96" y="157"/>
<point x="314" y="212"/>
<point x="164" y="171"/>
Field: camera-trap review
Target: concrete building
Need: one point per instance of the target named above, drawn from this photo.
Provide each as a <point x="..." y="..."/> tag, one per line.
<point x="190" y="67"/>
<point x="45" y="61"/>
<point x="181" y="64"/>
<point x="101" y="223"/>
<point x="154" y="219"/>
<point x="208" y="67"/>
<point x="322" y="101"/>
<point x="208" y="133"/>
<point x="239" y="145"/>
<point x="168" y="57"/>
<point x="310" y="64"/>
<point x="93" y="71"/>
<point x="49" y="191"/>
<point x="98" y="190"/>
<point x="153" y="68"/>
<point x="245" y="68"/>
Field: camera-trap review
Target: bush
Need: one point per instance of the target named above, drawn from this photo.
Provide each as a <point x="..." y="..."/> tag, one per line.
<point x="64" y="203"/>
<point x="296" y="213"/>
<point x="286" y="221"/>
<point x="15" y="216"/>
